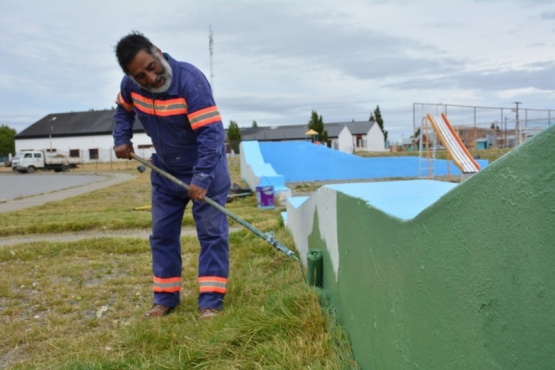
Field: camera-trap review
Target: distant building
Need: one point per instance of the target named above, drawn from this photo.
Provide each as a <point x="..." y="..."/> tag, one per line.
<point x="485" y="138"/>
<point x="80" y="134"/>
<point x="89" y="135"/>
<point x="348" y="137"/>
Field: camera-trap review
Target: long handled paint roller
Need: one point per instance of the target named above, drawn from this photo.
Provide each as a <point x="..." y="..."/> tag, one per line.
<point x="268" y="237"/>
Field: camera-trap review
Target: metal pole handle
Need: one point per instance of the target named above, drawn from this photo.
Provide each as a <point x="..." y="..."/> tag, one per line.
<point x="268" y="237"/>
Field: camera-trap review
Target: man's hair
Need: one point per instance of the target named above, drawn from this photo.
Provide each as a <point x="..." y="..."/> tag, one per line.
<point x="128" y="47"/>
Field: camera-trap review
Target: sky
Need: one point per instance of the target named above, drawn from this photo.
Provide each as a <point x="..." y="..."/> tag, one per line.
<point x="274" y="62"/>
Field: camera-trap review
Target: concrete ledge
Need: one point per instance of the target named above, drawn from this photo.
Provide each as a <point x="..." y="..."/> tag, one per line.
<point x="255" y="172"/>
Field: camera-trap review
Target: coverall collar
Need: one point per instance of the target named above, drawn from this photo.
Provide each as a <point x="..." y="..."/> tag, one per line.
<point x="173" y="90"/>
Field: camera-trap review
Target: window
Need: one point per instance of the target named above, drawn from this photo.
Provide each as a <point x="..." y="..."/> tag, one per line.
<point x="93" y="153"/>
<point x="37" y="155"/>
<point x="74" y="153"/>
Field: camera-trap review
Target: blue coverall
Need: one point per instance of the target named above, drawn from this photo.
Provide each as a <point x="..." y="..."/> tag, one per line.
<point x="188" y="135"/>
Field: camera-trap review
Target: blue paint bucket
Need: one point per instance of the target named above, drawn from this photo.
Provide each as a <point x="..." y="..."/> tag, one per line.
<point x="265" y="196"/>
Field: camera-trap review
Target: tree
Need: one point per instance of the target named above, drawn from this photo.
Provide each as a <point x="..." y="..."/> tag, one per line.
<point x="416" y="133"/>
<point x="7" y="140"/>
<point x="377" y="117"/>
<point x="316" y="123"/>
<point x="416" y="137"/>
<point x="254" y="124"/>
<point x="234" y="136"/>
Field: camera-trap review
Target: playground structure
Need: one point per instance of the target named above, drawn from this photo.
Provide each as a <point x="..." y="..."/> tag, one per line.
<point x="451" y="142"/>
<point x="499" y="127"/>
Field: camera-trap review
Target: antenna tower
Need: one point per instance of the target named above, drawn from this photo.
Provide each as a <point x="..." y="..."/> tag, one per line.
<point x="211" y="48"/>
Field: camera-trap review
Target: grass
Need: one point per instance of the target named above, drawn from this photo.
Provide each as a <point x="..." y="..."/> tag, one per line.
<point x="79" y="304"/>
<point x="489" y="154"/>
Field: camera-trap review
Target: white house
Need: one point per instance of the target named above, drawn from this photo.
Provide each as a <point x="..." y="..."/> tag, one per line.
<point x="348" y="137"/>
<point x="80" y="134"/>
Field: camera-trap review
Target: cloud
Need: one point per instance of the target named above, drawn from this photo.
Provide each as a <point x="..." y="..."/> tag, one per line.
<point x="275" y="61"/>
<point x="547" y="15"/>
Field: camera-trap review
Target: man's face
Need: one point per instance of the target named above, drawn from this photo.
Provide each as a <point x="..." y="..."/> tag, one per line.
<point x="151" y="72"/>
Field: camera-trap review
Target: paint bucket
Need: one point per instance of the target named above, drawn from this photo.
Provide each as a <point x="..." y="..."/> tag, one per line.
<point x="265" y="196"/>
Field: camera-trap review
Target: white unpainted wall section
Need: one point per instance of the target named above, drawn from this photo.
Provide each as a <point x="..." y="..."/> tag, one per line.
<point x="300" y="221"/>
<point x="255" y="172"/>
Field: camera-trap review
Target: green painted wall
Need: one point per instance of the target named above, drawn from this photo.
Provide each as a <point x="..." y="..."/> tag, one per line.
<point x="467" y="284"/>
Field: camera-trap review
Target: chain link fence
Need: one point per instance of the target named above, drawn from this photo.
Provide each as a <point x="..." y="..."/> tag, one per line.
<point x="487" y="127"/>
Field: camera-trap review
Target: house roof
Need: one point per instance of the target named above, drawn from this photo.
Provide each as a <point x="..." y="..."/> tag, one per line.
<point x="298" y="132"/>
<point x="74" y="124"/>
<point x="100" y="122"/>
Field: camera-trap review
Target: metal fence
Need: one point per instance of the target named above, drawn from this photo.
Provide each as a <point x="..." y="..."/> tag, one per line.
<point x="102" y="155"/>
<point x="485" y="127"/>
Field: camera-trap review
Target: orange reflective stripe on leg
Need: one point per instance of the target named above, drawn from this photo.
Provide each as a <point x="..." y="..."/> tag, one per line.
<point x="212" y="284"/>
<point x="168" y="285"/>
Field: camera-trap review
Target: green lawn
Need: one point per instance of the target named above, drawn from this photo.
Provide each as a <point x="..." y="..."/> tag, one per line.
<point x="80" y="304"/>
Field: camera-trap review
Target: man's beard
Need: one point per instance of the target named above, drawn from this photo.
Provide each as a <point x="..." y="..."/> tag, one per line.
<point x="166" y="75"/>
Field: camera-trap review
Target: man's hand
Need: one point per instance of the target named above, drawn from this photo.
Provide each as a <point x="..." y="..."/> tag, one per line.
<point x="196" y="193"/>
<point x="124" y="151"/>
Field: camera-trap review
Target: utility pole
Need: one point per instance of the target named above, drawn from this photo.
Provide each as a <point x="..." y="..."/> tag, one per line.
<point x="211" y="48"/>
<point x="517" y="130"/>
<point x="51" y="123"/>
<point x="505" y="145"/>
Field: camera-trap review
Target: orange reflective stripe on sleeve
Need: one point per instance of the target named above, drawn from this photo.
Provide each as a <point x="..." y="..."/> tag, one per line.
<point x="204" y="117"/>
<point x="143" y="104"/>
<point x="120" y="101"/>
<point x="170" y="107"/>
<point x="212" y="284"/>
<point x="168" y="285"/>
<point x="160" y="108"/>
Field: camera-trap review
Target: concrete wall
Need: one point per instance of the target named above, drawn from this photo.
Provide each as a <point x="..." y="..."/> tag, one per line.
<point x="256" y="172"/>
<point x="304" y="161"/>
<point x="468" y="283"/>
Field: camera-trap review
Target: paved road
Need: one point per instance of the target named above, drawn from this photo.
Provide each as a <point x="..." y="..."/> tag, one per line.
<point x="18" y="191"/>
<point x="63" y="186"/>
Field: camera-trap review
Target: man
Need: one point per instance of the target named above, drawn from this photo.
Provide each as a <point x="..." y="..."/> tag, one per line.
<point x="173" y="100"/>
